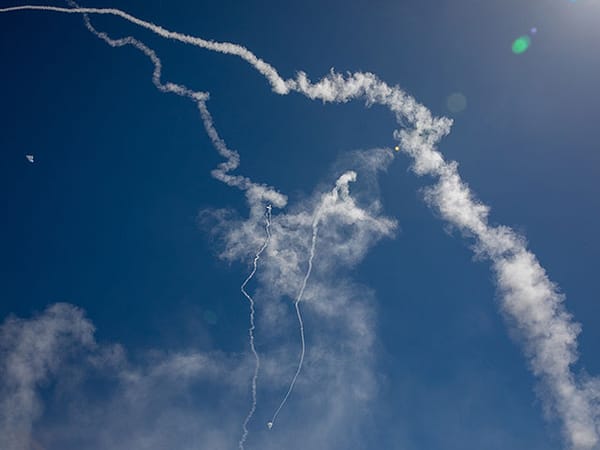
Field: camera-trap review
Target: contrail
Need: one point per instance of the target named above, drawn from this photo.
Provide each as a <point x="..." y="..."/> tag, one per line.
<point x="528" y="297"/>
<point x="222" y="47"/>
<point x="256" y="193"/>
<point x="252" y="327"/>
<point x="327" y="204"/>
<point x="177" y="89"/>
<point x="221" y="173"/>
<point x="315" y="230"/>
<point x="232" y="158"/>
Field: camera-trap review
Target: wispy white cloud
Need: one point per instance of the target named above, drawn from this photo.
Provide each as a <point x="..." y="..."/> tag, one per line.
<point x="31" y="352"/>
<point x="138" y="406"/>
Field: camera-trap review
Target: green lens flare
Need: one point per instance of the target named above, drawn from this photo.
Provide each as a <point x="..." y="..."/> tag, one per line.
<point x="521" y="45"/>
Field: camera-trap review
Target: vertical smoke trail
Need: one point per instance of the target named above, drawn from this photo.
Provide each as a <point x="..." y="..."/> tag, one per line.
<point x="252" y="327"/>
<point x="315" y="229"/>
<point x="327" y="205"/>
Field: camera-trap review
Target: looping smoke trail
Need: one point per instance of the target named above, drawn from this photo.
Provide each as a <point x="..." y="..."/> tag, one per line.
<point x="252" y="327"/>
<point x="529" y="298"/>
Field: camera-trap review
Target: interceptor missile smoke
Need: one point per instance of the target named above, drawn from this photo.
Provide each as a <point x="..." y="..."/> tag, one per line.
<point x="329" y="204"/>
<point x="232" y="158"/>
<point x="221" y="173"/>
<point x="315" y="229"/>
<point x="252" y="325"/>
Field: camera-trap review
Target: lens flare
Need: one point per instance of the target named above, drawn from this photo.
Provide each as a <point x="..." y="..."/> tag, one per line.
<point x="456" y="102"/>
<point x="521" y="45"/>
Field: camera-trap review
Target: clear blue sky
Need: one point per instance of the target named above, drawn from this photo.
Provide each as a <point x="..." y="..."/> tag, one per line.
<point x="107" y="217"/>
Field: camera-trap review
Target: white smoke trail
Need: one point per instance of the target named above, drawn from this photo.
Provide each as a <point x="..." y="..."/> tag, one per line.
<point x="529" y="298"/>
<point x="315" y="228"/>
<point x="232" y="158"/>
<point x="252" y="327"/>
<point x="221" y="173"/>
<point x="255" y="192"/>
<point x="222" y="47"/>
<point x="328" y="203"/>
<point x="177" y="89"/>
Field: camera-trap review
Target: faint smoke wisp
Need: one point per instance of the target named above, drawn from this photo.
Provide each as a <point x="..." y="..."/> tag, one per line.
<point x="31" y="352"/>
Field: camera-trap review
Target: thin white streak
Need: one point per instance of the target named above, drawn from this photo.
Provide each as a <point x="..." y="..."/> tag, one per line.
<point x="221" y="173"/>
<point x="232" y="158"/>
<point x="265" y="69"/>
<point x="252" y="327"/>
<point x="257" y="192"/>
<point x="326" y="206"/>
<point x="315" y="229"/>
<point x="151" y="54"/>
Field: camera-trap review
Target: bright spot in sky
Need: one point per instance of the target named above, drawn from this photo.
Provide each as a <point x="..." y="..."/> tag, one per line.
<point x="269" y="425"/>
<point x="397" y="148"/>
<point x="29" y="158"/>
<point x="521" y="44"/>
<point x="456" y="102"/>
<point x="533" y="30"/>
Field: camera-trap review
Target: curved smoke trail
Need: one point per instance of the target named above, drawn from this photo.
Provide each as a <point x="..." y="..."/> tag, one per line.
<point x="221" y="173"/>
<point x="232" y="158"/>
<point x="252" y="327"/>
<point x="327" y="204"/>
<point x="222" y="47"/>
<point x="528" y="297"/>
<point x="300" y="323"/>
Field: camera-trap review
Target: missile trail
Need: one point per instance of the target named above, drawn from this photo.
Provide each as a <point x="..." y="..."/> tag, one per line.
<point x="327" y="205"/>
<point x="168" y="87"/>
<point x="222" y="47"/>
<point x="232" y="158"/>
<point x="252" y="327"/>
<point x="315" y="229"/>
<point x="221" y="173"/>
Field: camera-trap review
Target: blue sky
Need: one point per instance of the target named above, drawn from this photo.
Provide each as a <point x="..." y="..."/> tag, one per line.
<point x="119" y="216"/>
